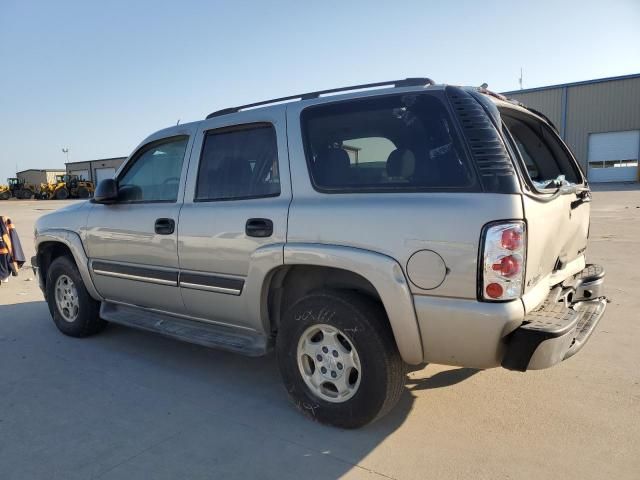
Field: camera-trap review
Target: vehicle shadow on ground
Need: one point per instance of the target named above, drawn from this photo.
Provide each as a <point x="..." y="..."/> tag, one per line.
<point x="142" y="387"/>
<point x="441" y="379"/>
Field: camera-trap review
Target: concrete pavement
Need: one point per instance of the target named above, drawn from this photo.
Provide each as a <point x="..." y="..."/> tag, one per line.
<point x="127" y="404"/>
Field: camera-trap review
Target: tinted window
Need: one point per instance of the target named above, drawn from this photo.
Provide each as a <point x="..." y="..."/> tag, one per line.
<point x="239" y="163"/>
<point x="404" y="142"/>
<point x="154" y="174"/>
<point x="541" y="150"/>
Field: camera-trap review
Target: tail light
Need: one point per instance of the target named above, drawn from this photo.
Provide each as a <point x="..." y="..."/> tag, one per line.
<point x="502" y="262"/>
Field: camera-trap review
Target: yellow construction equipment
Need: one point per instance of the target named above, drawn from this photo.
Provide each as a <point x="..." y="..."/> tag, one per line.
<point x="17" y="188"/>
<point x="67" y="186"/>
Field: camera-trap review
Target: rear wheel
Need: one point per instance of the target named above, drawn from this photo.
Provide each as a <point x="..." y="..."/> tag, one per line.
<point x="73" y="310"/>
<point x="83" y="192"/>
<point x="339" y="360"/>
<point x="62" y="194"/>
<point x="5" y="195"/>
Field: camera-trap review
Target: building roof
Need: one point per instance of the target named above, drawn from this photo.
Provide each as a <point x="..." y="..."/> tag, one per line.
<point x="97" y="160"/>
<point x="574" y="84"/>
<point x="41" y="170"/>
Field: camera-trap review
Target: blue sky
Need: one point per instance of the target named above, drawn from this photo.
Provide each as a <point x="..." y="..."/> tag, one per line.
<point x="99" y="76"/>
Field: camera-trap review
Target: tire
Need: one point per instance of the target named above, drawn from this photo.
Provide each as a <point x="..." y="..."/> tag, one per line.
<point x="361" y="324"/>
<point x="5" y="196"/>
<point x="86" y="320"/>
<point x="83" y="192"/>
<point x="62" y="194"/>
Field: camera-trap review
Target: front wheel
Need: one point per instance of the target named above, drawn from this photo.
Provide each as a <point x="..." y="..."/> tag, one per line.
<point x="339" y="360"/>
<point x="62" y="194"/>
<point x="73" y="310"/>
<point x="83" y="192"/>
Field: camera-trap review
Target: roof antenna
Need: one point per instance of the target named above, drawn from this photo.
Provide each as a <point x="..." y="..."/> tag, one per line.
<point x="520" y="79"/>
<point x="178" y="122"/>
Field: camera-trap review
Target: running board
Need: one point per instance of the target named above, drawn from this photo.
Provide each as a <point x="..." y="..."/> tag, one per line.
<point x="191" y="331"/>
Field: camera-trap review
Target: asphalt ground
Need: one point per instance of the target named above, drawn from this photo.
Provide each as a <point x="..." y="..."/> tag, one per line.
<point x="126" y="404"/>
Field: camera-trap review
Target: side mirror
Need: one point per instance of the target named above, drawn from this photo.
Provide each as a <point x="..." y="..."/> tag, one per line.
<point x="107" y="191"/>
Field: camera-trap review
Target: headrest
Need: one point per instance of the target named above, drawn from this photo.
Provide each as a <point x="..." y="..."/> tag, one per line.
<point x="401" y="163"/>
<point x="332" y="167"/>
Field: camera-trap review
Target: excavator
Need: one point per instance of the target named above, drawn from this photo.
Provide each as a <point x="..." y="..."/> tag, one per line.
<point x="66" y="186"/>
<point x="18" y="188"/>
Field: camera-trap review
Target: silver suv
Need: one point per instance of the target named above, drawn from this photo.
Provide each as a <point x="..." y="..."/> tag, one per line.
<point x="354" y="231"/>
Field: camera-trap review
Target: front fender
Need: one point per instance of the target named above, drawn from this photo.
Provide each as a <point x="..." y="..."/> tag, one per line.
<point x="73" y="242"/>
<point x="384" y="273"/>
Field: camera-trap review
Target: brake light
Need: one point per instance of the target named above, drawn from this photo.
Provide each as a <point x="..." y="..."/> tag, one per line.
<point x="503" y="257"/>
<point x="511" y="239"/>
<point x="508" y="267"/>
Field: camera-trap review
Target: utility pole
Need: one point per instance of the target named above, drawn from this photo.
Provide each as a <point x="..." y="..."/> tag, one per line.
<point x="520" y="79"/>
<point x="65" y="150"/>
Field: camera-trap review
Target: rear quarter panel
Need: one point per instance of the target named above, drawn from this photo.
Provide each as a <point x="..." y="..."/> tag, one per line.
<point x="395" y="224"/>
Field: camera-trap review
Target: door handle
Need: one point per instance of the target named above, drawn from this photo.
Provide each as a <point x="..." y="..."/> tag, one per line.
<point x="165" y="226"/>
<point x="259" y="227"/>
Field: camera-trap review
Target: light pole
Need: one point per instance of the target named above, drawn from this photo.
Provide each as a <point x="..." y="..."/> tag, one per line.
<point x="65" y="150"/>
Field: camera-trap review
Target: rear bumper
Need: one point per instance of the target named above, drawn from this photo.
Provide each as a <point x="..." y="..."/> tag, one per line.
<point x="561" y="327"/>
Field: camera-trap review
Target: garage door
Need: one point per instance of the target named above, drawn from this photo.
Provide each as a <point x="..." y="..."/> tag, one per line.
<point x="102" y="173"/>
<point x="82" y="174"/>
<point x="613" y="156"/>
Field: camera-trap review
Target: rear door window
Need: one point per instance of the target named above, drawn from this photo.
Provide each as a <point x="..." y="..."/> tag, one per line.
<point x="546" y="159"/>
<point x="239" y="163"/>
<point x="391" y="143"/>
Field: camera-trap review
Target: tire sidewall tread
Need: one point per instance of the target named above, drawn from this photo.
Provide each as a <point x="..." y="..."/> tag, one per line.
<point x="88" y="321"/>
<point x="364" y="322"/>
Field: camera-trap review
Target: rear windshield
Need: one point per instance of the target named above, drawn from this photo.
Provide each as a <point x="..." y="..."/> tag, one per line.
<point x="545" y="157"/>
<point x="390" y="143"/>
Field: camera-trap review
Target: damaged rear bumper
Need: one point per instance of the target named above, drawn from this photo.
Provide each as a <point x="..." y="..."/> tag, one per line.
<point x="562" y="326"/>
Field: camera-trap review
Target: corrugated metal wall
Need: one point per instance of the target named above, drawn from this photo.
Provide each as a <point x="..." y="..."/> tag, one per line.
<point x="607" y="106"/>
<point x="548" y="102"/>
<point x="601" y="107"/>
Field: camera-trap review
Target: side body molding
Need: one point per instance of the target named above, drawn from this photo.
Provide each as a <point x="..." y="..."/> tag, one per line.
<point x="384" y="273"/>
<point x="74" y="243"/>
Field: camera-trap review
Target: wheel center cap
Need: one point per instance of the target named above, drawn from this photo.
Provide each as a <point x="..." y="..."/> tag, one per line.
<point x="330" y="363"/>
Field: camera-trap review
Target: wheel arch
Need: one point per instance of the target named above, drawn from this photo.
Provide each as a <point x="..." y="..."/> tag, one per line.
<point x="307" y="267"/>
<point x="55" y="243"/>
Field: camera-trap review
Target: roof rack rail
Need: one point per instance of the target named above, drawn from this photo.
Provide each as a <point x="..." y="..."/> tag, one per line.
<point x="407" y="82"/>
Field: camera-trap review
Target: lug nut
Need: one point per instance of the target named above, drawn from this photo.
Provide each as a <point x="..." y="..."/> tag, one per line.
<point x="333" y="374"/>
<point x="339" y="366"/>
<point x="335" y="353"/>
<point x="323" y="370"/>
<point x="319" y="357"/>
<point x="325" y="349"/>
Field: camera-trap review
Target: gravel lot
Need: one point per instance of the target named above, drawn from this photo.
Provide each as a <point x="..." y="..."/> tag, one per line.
<point x="126" y="404"/>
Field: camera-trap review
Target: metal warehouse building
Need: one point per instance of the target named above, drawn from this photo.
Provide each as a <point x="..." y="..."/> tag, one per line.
<point x="95" y="170"/>
<point x="599" y="119"/>
<point x="37" y="176"/>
